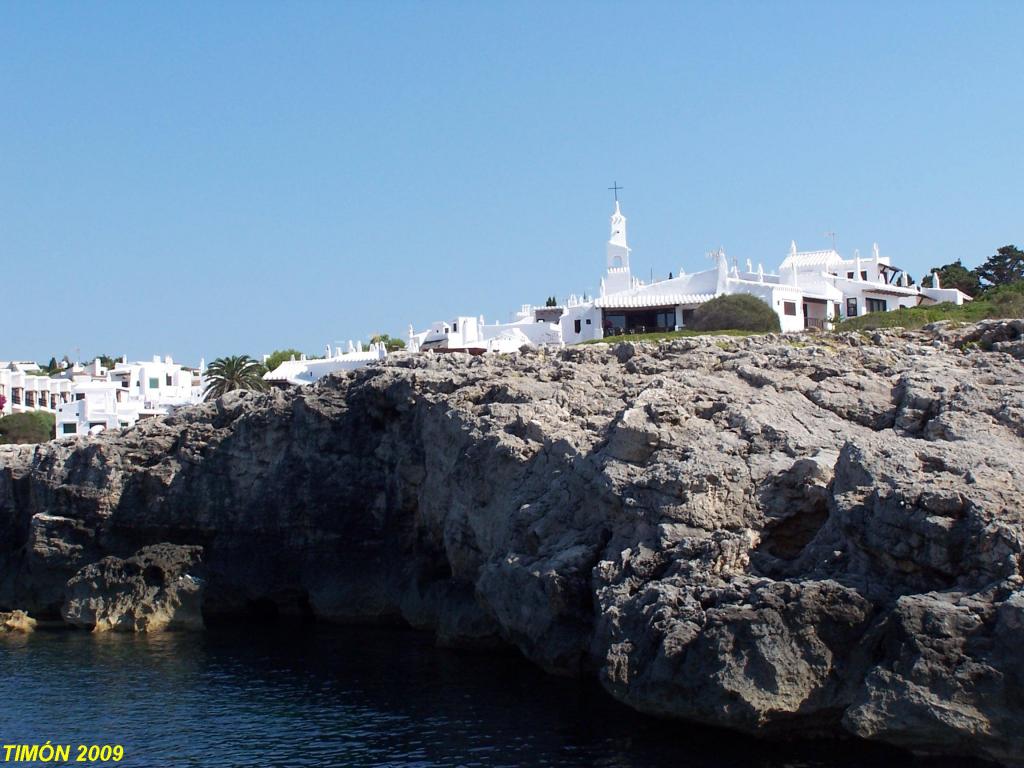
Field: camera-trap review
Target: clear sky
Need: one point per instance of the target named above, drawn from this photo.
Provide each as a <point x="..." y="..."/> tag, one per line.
<point x="200" y="179"/>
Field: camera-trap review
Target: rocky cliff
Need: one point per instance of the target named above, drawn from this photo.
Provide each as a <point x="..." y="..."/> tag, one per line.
<point x="815" y="536"/>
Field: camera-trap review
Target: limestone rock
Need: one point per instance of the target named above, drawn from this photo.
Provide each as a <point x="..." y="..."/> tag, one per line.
<point x="16" y="621"/>
<point x="156" y="589"/>
<point x="789" y="535"/>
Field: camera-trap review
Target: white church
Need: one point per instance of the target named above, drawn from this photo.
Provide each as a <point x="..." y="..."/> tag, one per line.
<point x="810" y="289"/>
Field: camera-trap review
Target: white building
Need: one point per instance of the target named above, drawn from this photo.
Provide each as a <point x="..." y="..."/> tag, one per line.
<point x="24" y="387"/>
<point x="810" y="289"/>
<point x="296" y="373"/>
<point x="109" y="399"/>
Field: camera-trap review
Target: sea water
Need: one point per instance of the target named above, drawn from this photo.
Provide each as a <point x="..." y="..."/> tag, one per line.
<point x="307" y="696"/>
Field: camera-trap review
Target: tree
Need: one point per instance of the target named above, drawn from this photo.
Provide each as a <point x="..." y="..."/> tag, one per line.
<point x="1005" y="266"/>
<point x="734" y="312"/>
<point x="226" y="374"/>
<point x="552" y="301"/>
<point x="53" y="366"/>
<point x="107" y="361"/>
<point x="279" y="356"/>
<point x="955" y="275"/>
<point x="390" y="344"/>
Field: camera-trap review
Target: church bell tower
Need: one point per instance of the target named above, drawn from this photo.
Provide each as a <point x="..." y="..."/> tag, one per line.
<point x="617" y="275"/>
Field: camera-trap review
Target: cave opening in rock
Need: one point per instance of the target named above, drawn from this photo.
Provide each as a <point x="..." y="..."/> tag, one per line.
<point x="787" y="537"/>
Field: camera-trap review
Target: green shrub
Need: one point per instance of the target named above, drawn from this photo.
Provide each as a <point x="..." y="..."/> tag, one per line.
<point x="739" y="312"/>
<point x="1007" y="300"/>
<point x="31" y="427"/>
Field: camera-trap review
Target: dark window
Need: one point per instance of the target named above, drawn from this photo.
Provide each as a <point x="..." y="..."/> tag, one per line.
<point x="170" y="380"/>
<point x="875" y="305"/>
<point x="849" y="275"/>
<point x="576" y="325"/>
<point x="79" y="396"/>
<point x="789" y="307"/>
<point x="455" y="327"/>
<point x="864" y="275"/>
<point x="588" y="321"/>
<point x="851" y="307"/>
<point x="69" y="429"/>
<point x="616" y="322"/>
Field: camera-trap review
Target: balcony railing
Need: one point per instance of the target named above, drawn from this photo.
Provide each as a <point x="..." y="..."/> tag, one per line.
<point x="816" y="322"/>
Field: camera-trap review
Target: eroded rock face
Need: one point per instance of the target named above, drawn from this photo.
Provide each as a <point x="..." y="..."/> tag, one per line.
<point x="158" y="588"/>
<point x="16" y="622"/>
<point x="821" y="536"/>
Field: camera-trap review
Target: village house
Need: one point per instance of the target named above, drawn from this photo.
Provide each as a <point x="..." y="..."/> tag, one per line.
<point x="297" y="373"/>
<point x="810" y="289"/>
<point x="119" y="397"/>
<point x="24" y="387"/>
<point x="89" y="399"/>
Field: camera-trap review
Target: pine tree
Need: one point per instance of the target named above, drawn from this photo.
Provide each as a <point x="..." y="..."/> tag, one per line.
<point x="1005" y="266"/>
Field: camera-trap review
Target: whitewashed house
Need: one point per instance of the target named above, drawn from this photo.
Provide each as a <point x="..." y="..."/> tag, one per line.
<point x="810" y="289"/>
<point x="110" y="399"/>
<point x="297" y="373"/>
<point x="25" y="387"/>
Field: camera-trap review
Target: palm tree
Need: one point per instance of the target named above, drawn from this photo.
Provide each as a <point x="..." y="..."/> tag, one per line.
<point x="234" y="372"/>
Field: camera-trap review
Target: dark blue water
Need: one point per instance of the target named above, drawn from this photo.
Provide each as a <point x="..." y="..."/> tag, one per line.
<point x="353" y="697"/>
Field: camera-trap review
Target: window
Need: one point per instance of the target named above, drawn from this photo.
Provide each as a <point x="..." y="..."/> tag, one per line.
<point x="588" y="321"/>
<point x="576" y="325"/>
<point x="455" y="327"/>
<point x="875" y="305"/>
<point x="849" y="275"/>
<point x="666" y="319"/>
<point x="69" y="429"/>
<point x="80" y="396"/>
<point x="864" y="275"/>
<point x="618" y="322"/>
<point x="154" y="383"/>
<point x="789" y="307"/>
<point x="851" y="307"/>
<point x="170" y="380"/>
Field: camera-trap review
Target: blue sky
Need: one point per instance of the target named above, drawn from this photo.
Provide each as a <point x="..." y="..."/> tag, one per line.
<point x="220" y="178"/>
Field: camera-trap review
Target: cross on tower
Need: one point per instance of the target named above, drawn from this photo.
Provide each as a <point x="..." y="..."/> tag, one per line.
<point x="615" y="188"/>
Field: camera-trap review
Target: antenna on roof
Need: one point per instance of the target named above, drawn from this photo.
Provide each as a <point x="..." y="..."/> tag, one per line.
<point x="833" y="236"/>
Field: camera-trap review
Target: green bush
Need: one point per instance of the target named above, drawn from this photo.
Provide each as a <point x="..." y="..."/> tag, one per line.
<point x="31" y="427"/>
<point x="1007" y="300"/>
<point x="736" y="312"/>
<point x="279" y="356"/>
